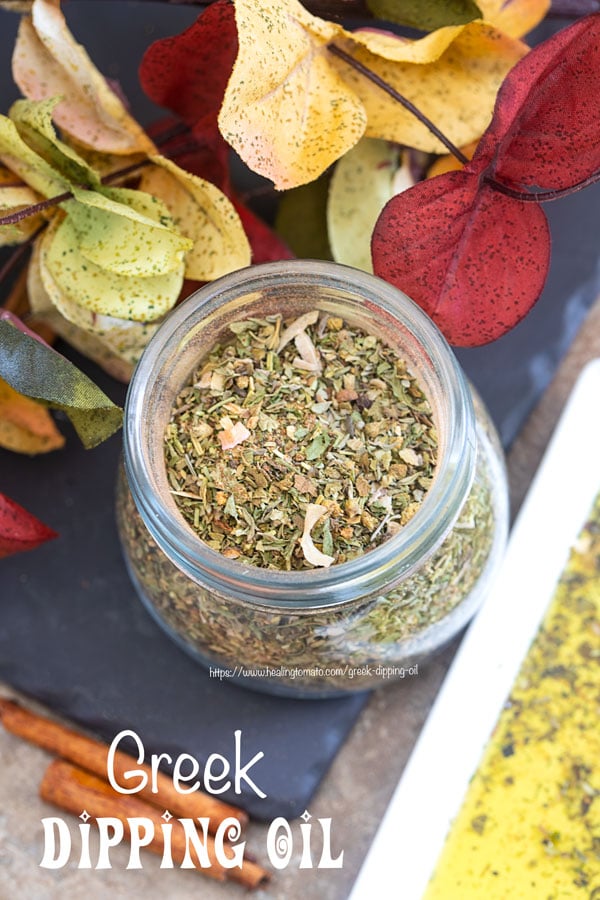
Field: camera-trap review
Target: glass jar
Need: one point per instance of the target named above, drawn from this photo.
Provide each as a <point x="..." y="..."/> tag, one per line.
<point x="325" y="631"/>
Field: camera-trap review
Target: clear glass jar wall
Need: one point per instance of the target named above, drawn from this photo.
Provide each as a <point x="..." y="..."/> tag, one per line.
<point x="324" y="631"/>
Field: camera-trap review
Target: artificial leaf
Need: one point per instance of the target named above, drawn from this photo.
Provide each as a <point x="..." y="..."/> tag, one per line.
<point x="302" y="219"/>
<point x="126" y="232"/>
<point x="201" y="212"/>
<point x="14" y="196"/>
<point x="48" y="62"/>
<point x="115" y="344"/>
<point x="362" y="183"/>
<point x="515" y="17"/>
<point x="474" y="259"/>
<point x="33" y="119"/>
<point x="37" y="371"/>
<point x="19" y="530"/>
<point x="27" y="164"/>
<point x="207" y="157"/>
<point x="449" y="162"/>
<point x="545" y="126"/>
<point x="97" y="289"/>
<point x="26" y="426"/>
<point x="452" y="76"/>
<point x="188" y="73"/>
<point x="265" y="244"/>
<point x="286" y="110"/>
<point x="426" y="15"/>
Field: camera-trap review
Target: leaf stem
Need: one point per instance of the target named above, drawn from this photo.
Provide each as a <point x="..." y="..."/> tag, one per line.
<point x="540" y="196"/>
<point x="376" y="79"/>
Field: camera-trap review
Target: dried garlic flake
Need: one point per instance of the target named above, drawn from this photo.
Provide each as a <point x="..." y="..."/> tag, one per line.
<point x="314" y="511"/>
<point x="232" y="435"/>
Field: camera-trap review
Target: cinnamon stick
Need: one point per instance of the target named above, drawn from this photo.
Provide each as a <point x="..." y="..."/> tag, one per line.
<point x="76" y="790"/>
<point x="91" y="755"/>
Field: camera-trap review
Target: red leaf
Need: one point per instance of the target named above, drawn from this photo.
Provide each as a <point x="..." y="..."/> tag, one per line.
<point x="544" y="131"/>
<point x="188" y="73"/>
<point x="474" y="259"/>
<point x="266" y="245"/>
<point x="19" y="530"/>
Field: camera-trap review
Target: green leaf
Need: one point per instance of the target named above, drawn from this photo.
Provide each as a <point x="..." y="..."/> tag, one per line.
<point x="302" y="219"/>
<point x="33" y="119"/>
<point x="126" y="232"/>
<point x="426" y="15"/>
<point x="318" y="446"/>
<point x="37" y="371"/>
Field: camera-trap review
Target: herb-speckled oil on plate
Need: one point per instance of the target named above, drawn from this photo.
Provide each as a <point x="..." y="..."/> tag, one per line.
<point x="530" y="824"/>
<point x="501" y="796"/>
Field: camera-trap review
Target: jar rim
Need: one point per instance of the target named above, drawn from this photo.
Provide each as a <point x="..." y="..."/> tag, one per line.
<point x="305" y="589"/>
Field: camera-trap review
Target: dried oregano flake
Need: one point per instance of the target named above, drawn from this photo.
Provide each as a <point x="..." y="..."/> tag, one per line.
<point x="287" y="417"/>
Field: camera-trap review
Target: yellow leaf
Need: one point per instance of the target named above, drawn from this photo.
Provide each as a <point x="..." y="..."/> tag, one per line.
<point x="27" y="164"/>
<point x="47" y="62"/>
<point x="33" y="119"/>
<point x="456" y="88"/>
<point x="286" y="110"/>
<point x="114" y="344"/>
<point x="25" y="425"/>
<point x="204" y="215"/>
<point x="101" y="291"/>
<point x="126" y="232"/>
<point x="362" y="183"/>
<point x="449" y="163"/>
<point x="515" y="18"/>
<point x="15" y="195"/>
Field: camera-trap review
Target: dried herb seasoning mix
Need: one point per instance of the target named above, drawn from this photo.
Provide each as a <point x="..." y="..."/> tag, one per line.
<point x="311" y="502"/>
<point x="299" y="446"/>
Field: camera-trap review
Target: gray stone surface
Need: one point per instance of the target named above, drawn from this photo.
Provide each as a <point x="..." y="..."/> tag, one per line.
<point x="354" y="794"/>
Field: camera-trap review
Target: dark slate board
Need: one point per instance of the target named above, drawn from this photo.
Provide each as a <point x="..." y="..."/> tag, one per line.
<point x="72" y="631"/>
<point x="74" y="635"/>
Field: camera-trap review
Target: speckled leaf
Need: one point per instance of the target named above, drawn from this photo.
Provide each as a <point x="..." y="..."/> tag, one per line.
<point x="545" y="126"/>
<point x="287" y="111"/>
<point x="425" y="14"/>
<point x="126" y="232"/>
<point x="33" y="368"/>
<point x="96" y="289"/>
<point x="25" y="425"/>
<point x="15" y="195"/>
<point x="188" y="73"/>
<point x="362" y="183"/>
<point x="474" y="259"/>
<point x="48" y="62"/>
<point x="202" y="213"/>
<point x="115" y="344"/>
<point x="19" y="530"/>
<point x="33" y="119"/>
<point x="452" y="75"/>
<point x="302" y="219"/>
<point x="27" y="164"/>
<point x="514" y="17"/>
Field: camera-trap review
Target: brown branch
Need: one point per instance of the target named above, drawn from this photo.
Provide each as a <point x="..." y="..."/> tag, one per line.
<point x="540" y="196"/>
<point x="381" y="83"/>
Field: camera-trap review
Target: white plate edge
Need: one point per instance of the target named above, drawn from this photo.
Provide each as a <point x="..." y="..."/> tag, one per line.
<point x="447" y="753"/>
